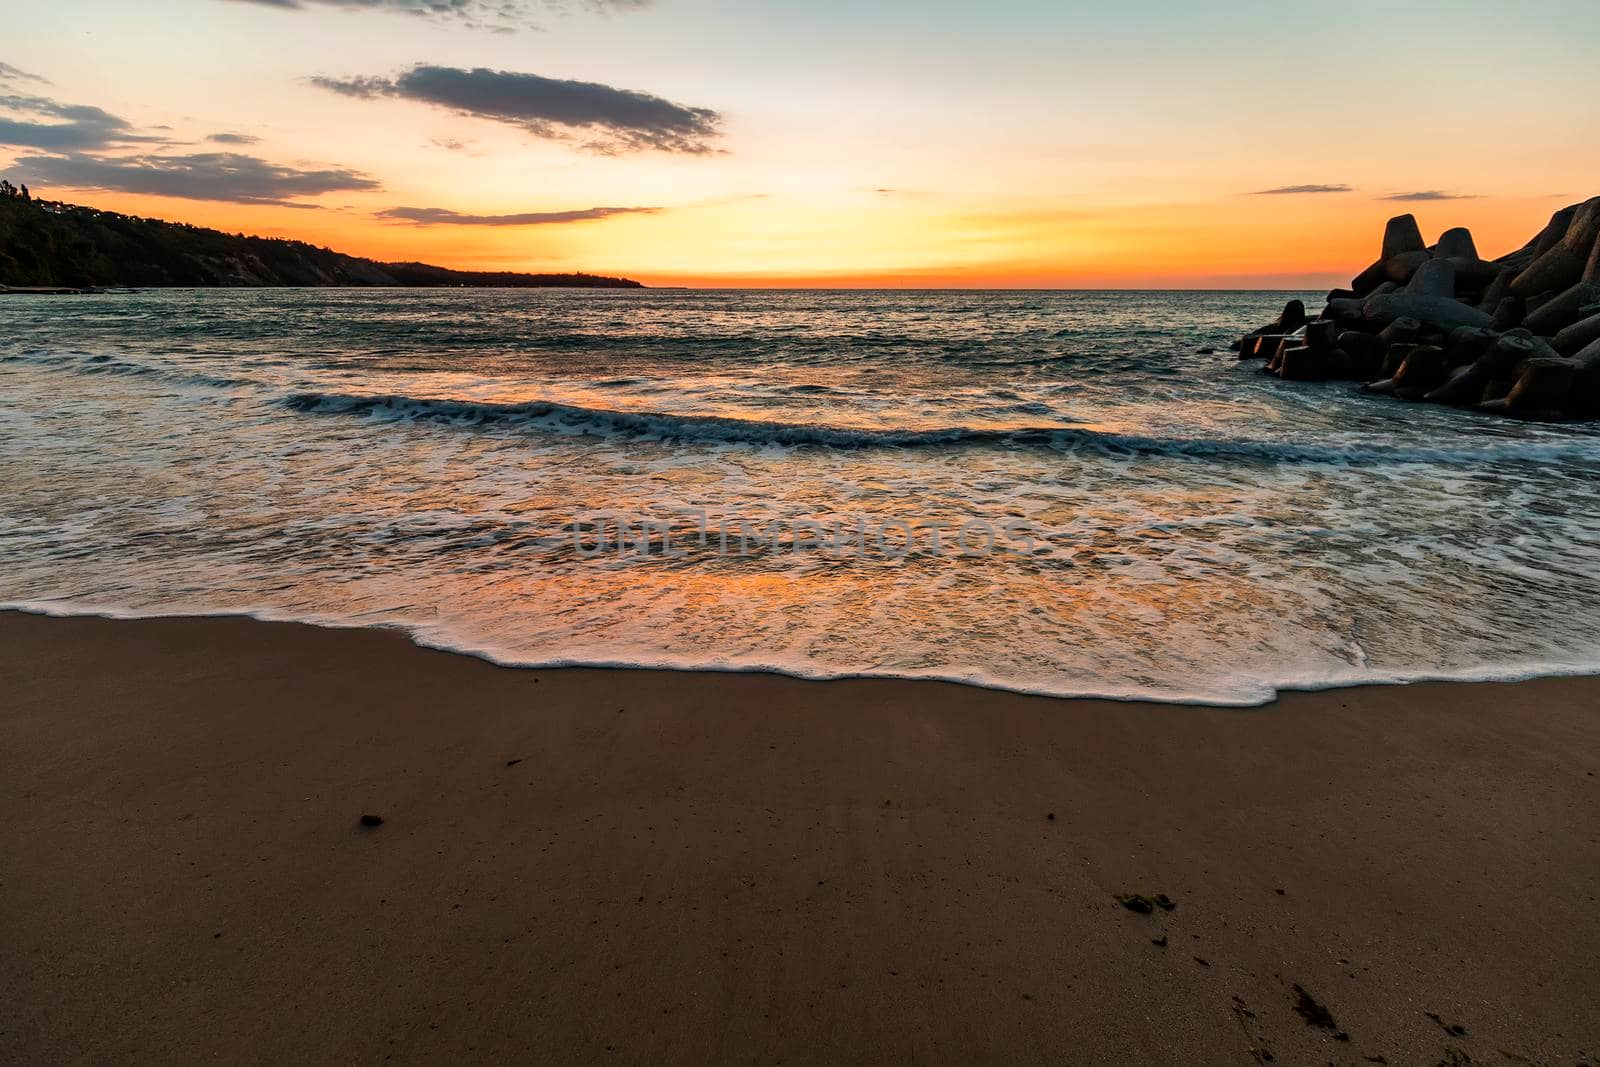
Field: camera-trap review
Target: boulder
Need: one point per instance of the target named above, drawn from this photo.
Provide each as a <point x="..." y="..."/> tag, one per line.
<point x="1456" y="243"/>
<point x="1402" y="268"/>
<point x="1563" y="264"/>
<point x="1302" y="364"/>
<point x="1553" y="231"/>
<point x="1342" y="367"/>
<point x="1436" y="277"/>
<point x="1289" y="320"/>
<point x="1416" y="369"/>
<point x="1498" y="289"/>
<point x="1581" y="334"/>
<point x="1261" y="346"/>
<point x="1403" y="252"/>
<point x="1322" y="336"/>
<point x="1473" y="278"/>
<point x="1507" y="359"/>
<point x="1365" y="353"/>
<point x="1586" y="382"/>
<point x="1563" y="309"/>
<point x="1393" y="357"/>
<point x="1464" y="387"/>
<point x="1543" y="390"/>
<point x="1468" y="345"/>
<point x="1400" y="331"/>
<point x="1402" y="234"/>
<point x="1508" y="314"/>
<point x="1441" y="313"/>
<point x="1423" y="370"/>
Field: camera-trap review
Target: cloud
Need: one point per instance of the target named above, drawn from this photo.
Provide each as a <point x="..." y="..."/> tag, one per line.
<point x="75" y="126"/>
<point x="10" y="73"/>
<point x="450" y="144"/>
<point x="221" y="176"/>
<point x="492" y="14"/>
<point x="609" y="119"/>
<point x="1295" y="190"/>
<point x="1429" y="194"/>
<point x="234" y="138"/>
<point x="438" y="216"/>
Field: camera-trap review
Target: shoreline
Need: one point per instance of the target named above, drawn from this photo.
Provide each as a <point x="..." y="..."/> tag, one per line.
<point x="1504" y="674"/>
<point x="603" y="865"/>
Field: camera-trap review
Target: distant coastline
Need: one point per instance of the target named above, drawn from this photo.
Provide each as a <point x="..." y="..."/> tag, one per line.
<point x="49" y="246"/>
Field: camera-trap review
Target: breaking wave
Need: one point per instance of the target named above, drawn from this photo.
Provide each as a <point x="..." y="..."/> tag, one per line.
<point x="573" y="420"/>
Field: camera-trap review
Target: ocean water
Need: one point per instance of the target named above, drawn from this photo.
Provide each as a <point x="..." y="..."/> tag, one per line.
<point x="1048" y="492"/>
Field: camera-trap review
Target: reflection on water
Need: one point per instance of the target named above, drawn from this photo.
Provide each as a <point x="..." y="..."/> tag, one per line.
<point x="427" y="459"/>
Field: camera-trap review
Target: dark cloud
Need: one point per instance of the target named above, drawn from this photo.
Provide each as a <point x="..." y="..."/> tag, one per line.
<point x="450" y="144"/>
<point x="1295" y="190"/>
<point x="605" y="118"/>
<point x="492" y="14"/>
<point x="234" y="138"/>
<point x="10" y="73"/>
<point x="1428" y="194"/>
<point x="438" y="216"/>
<point x="35" y="122"/>
<point x="222" y="176"/>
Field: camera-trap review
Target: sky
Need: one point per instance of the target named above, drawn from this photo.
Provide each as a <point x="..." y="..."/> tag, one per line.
<point x="1135" y="144"/>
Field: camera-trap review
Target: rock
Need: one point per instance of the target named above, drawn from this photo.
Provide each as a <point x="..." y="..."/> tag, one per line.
<point x="1468" y="345"/>
<point x="1365" y="353"/>
<point x="1473" y="278"/>
<point x="1563" y="264"/>
<point x="1543" y="241"/>
<point x="1302" y="364"/>
<point x="1543" y="390"/>
<point x="1436" y="277"/>
<point x="1393" y="356"/>
<point x="1463" y="388"/>
<point x="1562" y="310"/>
<point x="1403" y="252"/>
<point x="1322" y="336"/>
<point x="1400" y="331"/>
<point x="1400" y="269"/>
<point x="1508" y="313"/>
<point x="1422" y="371"/>
<point x="371" y="820"/>
<point x="1291" y="319"/>
<point x="1143" y="904"/>
<point x="1402" y="234"/>
<point x="1507" y="360"/>
<point x="1363" y="284"/>
<point x="1580" y="334"/>
<point x="1456" y="243"/>
<point x="1438" y="312"/>
<point x="1586" y="384"/>
<point x="1314" y="1013"/>
<point x="1499" y="288"/>
<point x="1262" y="345"/>
<point x="1344" y="309"/>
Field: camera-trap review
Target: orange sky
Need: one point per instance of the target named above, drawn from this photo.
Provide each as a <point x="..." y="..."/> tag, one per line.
<point x="919" y="145"/>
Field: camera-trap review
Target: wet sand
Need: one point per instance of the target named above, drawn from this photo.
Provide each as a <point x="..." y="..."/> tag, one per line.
<point x="628" y="866"/>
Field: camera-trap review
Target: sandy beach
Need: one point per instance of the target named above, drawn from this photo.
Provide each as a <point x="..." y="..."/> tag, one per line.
<point x="628" y="866"/>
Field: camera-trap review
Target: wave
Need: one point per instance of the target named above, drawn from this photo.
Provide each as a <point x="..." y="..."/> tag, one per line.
<point x="573" y="420"/>
<point x="1239" y="691"/>
<point x="101" y="364"/>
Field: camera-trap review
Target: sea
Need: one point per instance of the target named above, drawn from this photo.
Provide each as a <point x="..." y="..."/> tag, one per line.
<point x="1060" y="493"/>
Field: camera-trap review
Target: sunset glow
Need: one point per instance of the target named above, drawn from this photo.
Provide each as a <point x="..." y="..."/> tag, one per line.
<point x="907" y="145"/>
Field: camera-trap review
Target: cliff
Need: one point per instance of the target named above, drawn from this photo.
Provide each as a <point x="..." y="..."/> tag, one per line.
<point x="48" y="244"/>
